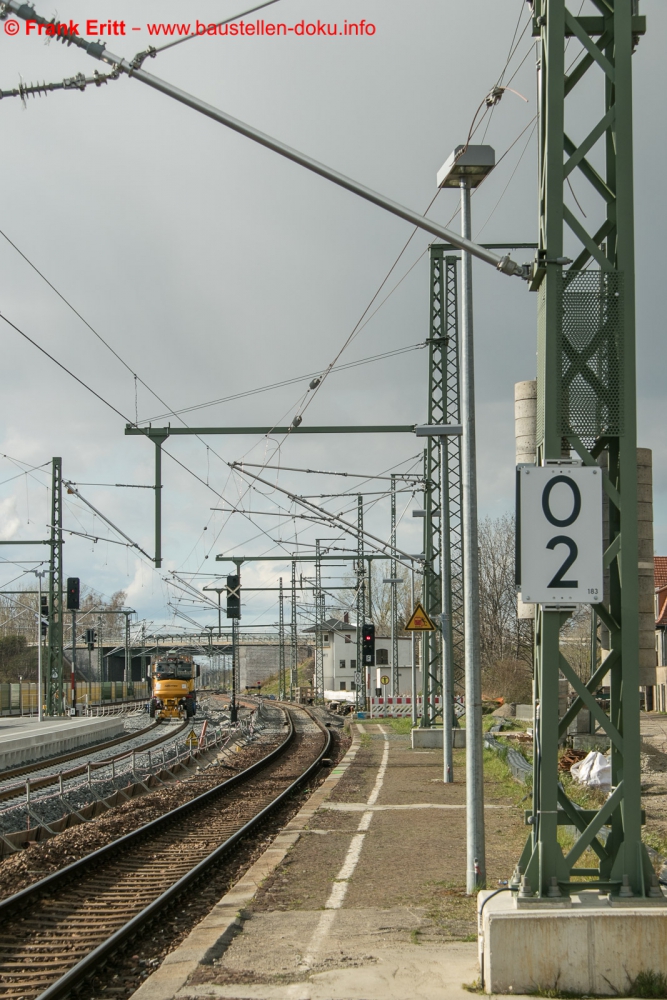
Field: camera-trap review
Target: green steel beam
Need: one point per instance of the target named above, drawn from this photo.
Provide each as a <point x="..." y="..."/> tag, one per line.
<point x="587" y="410"/>
<point x="45" y="541"/>
<point x="165" y="432"/>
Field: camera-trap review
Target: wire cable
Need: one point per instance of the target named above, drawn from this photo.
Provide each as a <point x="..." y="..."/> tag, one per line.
<point x="64" y="367"/>
<point x="278" y="385"/>
<point x="187" y="38"/>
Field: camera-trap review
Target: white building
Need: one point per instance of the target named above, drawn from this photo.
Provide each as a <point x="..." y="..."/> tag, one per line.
<point x="340" y="660"/>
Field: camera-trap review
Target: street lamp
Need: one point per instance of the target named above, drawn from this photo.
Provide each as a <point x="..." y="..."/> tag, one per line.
<point x="465" y="169"/>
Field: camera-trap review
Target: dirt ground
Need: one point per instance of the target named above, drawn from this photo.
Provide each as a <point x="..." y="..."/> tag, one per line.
<point x="412" y="858"/>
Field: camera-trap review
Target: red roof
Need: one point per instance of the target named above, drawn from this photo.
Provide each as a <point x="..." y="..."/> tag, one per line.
<point x="662" y="607"/>
<point x="660" y="564"/>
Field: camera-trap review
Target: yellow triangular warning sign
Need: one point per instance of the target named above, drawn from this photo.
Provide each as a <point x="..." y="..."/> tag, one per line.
<point x="192" y="739"/>
<point x="419" y="621"/>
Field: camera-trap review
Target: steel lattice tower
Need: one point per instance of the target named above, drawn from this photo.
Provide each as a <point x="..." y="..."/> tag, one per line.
<point x="443" y="408"/>
<point x="360" y="675"/>
<point x="281" y="641"/>
<point x="587" y="412"/>
<point x="319" y="627"/>
<point x="54" y="672"/>
<point x="395" y="679"/>
<point x="294" y="672"/>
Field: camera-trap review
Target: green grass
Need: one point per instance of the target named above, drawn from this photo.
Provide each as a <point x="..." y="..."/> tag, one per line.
<point x="496" y="769"/>
<point x="270" y="684"/>
<point x="587" y="798"/>
<point x="402" y="726"/>
<point x="649" y="984"/>
<point x="556" y="994"/>
<point x="658" y="841"/>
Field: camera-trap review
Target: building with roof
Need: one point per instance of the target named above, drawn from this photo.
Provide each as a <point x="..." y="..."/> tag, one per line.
<point x="660" y="569"/>
<point x="339" y="639"/>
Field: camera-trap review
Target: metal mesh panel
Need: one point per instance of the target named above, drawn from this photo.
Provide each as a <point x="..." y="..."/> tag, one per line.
<point x="591" y="354"/>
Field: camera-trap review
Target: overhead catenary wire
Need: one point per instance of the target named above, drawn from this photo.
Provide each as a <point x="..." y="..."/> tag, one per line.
<point x="270" y="485"/>
<point x="284" y="382"/>
<point x="186" y="38"/>
<point x="64" y="367"/>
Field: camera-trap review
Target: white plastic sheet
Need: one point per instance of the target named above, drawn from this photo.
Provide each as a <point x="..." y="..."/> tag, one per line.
<point x="594" y="771"/>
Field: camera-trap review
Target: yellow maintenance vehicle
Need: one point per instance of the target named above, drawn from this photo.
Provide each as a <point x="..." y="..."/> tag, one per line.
<point x="173" y="693"/>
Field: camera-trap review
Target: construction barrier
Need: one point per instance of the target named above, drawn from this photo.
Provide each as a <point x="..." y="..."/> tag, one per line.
<point x="401" y="706"/>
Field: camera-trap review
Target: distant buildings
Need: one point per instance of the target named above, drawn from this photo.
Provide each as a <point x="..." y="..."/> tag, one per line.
<point x="340" y="660"/>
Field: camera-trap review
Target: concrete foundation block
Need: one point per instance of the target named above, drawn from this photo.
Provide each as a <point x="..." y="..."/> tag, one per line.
<point x="588" y="741"/>
<point x="591" y="947"/>
<point x="431" y="739"/>
<point x="524" y="712"/>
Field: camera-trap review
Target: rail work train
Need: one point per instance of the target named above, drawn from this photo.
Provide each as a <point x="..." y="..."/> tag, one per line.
<point x="173" y="693"/>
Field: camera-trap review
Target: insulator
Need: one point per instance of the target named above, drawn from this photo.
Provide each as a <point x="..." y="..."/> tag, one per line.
<point x="297" y="420"/>
<point x="314" y="384"/>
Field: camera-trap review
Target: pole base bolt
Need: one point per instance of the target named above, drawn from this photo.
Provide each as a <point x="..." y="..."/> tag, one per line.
<point x="625" y="891"/>
<point x="553" y="892"/>
<point x="526" y="889"/>
<point x="655" y="892"/>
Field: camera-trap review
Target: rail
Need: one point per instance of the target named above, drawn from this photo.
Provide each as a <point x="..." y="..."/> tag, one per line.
<point x="147" y="837"/>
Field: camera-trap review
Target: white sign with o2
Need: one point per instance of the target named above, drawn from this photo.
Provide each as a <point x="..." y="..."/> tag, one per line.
<point x="560" y="516"/>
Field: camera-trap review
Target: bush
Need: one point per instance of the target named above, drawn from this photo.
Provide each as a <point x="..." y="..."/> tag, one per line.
<point x="509" y="679"/>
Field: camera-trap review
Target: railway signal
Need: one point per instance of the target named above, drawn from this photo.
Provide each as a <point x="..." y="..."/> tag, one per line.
<point x="368" y="645"/>
<point x="44" y="614"/>
<point x="72" y="593"/>
<point x="234" y="596"/>
<point x="91" y="636"/>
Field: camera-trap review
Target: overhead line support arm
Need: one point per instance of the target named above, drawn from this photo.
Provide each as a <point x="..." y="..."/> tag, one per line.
<point x="97" y="50"/>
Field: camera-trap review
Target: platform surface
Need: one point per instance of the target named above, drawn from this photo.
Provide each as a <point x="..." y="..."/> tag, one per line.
<point x="25" y="739"/>
<point x="359" y="898"/>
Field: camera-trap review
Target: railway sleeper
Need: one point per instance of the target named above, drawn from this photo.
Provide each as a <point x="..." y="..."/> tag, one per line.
<point x="88" y="967"/>
<point x="10" y="843"/>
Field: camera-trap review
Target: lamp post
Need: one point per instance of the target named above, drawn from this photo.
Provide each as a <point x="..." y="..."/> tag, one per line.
<point x="465" y="169"/>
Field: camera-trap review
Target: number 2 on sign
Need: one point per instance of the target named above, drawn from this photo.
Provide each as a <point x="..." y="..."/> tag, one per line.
<point x="558" y="580"/>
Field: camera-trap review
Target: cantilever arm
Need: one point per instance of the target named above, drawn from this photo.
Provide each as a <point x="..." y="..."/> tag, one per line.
<point x="97" y="50"/>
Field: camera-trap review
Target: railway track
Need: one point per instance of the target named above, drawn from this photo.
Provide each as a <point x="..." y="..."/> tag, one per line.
<point x="52" y="777"/>
<point x="57" y="932"/>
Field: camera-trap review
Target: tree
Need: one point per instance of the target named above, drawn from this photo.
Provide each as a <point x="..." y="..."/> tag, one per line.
<point x="378" y="610"/>
<point x="506" y="641"/>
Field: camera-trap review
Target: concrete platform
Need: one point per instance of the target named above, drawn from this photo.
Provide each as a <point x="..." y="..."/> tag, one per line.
<point x="23" y="740"/>
<point x="590" y="948"/>
<point x="355" y="899"/>
<point x="425" y="739"/>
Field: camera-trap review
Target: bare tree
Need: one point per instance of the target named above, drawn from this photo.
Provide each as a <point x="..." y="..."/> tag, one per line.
<point x="506" y="641"/>
<point x="379" y="608"/>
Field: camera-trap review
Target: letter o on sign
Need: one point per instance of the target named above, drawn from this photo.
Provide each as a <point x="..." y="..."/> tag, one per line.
<point x="576" y="502"/>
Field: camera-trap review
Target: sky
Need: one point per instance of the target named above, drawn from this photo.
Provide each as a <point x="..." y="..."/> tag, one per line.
<point x="207" y="266"/>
